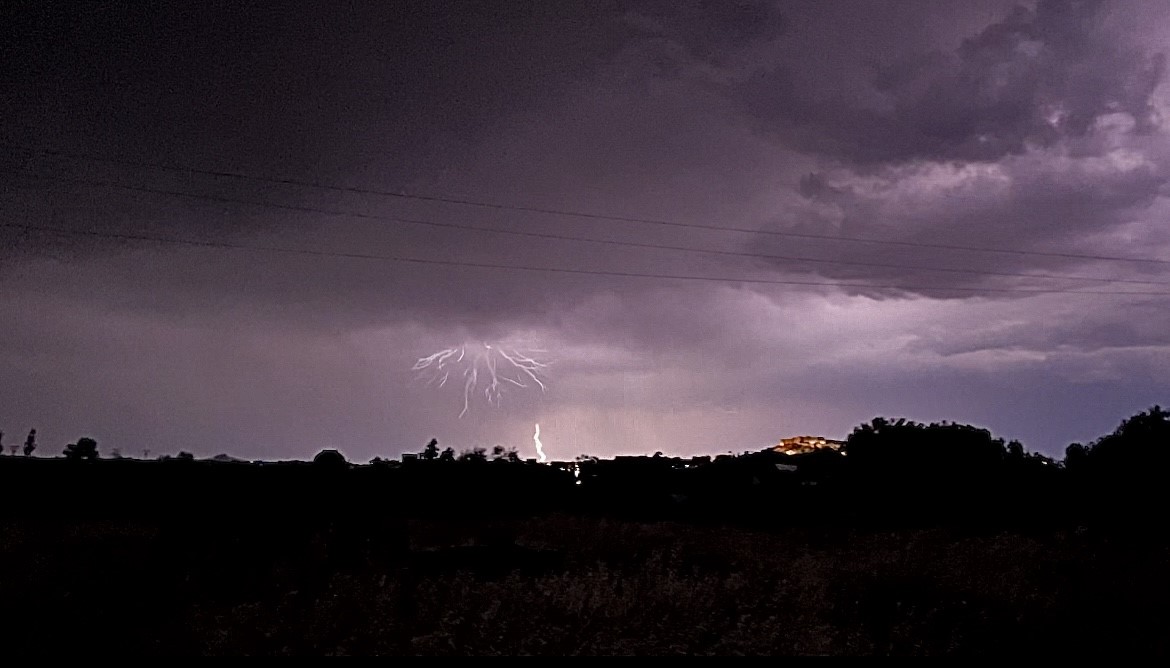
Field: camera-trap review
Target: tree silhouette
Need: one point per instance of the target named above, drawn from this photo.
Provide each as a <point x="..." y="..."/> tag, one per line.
<point x="473" y="455"/>
<point x="1015" y="450"/>
<point x="185" y="456"/>
<point x="1140" y="447"/>
<point x="448" y="455"/>
<point x="497" y="452"/>
<point x="432" y="450"/>
<point x="30" y="444"/>
<point x="84" y="448"/>
<point x="1075" y="456"/>
<point x="904" y="449"/>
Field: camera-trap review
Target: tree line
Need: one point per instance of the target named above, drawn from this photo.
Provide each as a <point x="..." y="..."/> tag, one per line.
<point x="897" y="448"/>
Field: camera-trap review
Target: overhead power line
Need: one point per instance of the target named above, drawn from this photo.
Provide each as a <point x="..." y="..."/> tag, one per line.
<point x="556" y="270"/>
<point x="575" y="213"/>
<point x="562" y="237"/>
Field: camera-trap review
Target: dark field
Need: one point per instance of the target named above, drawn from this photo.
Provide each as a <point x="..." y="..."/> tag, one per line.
<point x="987" y="554"/>
<point x="571" y="585"/>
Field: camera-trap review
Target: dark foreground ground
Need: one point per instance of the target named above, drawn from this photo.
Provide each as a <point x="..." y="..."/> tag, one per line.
<point x="564" y="584"/>
<point x="643" y="556"/>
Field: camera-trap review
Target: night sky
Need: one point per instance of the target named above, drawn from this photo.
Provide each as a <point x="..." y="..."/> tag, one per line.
<point x="159" y="165"/>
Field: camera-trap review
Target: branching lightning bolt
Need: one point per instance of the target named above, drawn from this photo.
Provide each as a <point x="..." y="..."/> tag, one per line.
<point x="517" y="369"/>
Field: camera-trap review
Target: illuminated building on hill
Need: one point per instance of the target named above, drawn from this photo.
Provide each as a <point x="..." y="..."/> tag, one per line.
<point x="799" y="445"/>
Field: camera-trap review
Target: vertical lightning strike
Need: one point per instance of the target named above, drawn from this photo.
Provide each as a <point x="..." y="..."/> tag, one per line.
<point x="539" y="445"/>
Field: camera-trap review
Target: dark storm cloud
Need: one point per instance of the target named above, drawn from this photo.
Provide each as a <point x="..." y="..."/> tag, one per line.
<point x="387" y="96"/>
<point x="1035" y="78"/>
<point x="416" y="95"/>
<point x="709" y="30"/>
<point x="394" y="97"/>
<point x="1042" y="202"/>
<point x="378" y="94"/>
<point x="949" y="122"/>
<point x="1038" y="132"/>
<point x="1136" y="325"/>
<point x="295" y="86"/>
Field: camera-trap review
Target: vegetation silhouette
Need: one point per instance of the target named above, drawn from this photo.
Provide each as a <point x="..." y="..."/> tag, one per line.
<point x="84" y="448"/>
<point x="912" y="538"/>
<point x="1119" y="478"/>
<point x="473" y="455"/>
<point x="432" y="450"/>
<point x="1140" y="446"/>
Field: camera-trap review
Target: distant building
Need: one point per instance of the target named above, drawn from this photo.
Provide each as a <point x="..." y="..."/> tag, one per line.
<point x="800" y="445"/>
<point x="228" y="459"/>
<point x="409" y="456"/>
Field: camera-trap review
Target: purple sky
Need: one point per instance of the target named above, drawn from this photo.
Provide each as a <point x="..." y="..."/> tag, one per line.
<point x="1037" y="128"/>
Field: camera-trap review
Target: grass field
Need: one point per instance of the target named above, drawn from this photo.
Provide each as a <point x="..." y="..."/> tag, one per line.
<point x="570" y="585"/>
